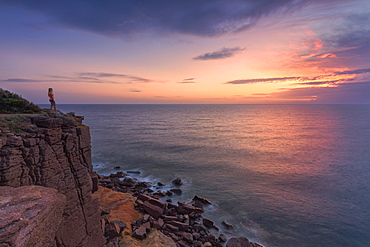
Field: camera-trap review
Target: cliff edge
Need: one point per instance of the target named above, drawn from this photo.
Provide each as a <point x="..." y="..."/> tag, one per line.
<point x="53" y="150"/>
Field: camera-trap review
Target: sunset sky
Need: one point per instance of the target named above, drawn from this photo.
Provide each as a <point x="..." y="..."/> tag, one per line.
<point x="186" y="52"/>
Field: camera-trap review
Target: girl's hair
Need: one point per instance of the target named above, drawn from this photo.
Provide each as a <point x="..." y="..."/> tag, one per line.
<point x="50" y="90"/>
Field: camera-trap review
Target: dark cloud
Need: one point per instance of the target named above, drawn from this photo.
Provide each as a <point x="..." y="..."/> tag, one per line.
<point x="126" y="17"/>
<point x="350" y="40"/>
<point x="220" y="54"/>
<point x="265" y="80"/>
<point x="317" y="83"/>
<point x="353" y="72"/>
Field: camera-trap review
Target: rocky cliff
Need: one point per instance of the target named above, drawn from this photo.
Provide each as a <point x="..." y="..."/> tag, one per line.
<point x="53" y="150"/>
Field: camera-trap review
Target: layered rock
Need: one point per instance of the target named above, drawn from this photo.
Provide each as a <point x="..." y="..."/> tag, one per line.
<point x="30" y="215"/>
<point x="55" y="152"/>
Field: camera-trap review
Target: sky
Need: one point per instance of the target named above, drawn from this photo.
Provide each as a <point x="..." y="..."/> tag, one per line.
<point x="187" y="52"/>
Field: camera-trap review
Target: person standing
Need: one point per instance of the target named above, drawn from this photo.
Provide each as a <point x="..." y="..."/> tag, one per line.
<point x="53" y="105"/>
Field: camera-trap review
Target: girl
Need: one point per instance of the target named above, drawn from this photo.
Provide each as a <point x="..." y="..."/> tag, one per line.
<point x="53" y="105"/>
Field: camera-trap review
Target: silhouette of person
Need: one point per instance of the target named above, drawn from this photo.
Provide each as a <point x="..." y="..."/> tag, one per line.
<point x="53" y="105"/>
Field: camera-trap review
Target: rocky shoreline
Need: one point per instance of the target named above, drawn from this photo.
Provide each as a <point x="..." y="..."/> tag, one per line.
<point x="182" y="222"/>
<point x="51" y="196"/>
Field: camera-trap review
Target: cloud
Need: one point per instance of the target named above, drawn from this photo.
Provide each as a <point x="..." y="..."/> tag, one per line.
<point x="21" y="80"/>
<point x="132" y="90"/>
<point x="265" y="80"/>
<point x="353" y="72"/>
<point x="188" y="80"/>
<point x="346" y="93"/>
<point x="220" y="54"/>
<point x="314" y="80"/>
<point x="124" y="18"/>
<point x="317" y="83"/>
<point x="129" y="77"/>
<point x="86" y="77"/>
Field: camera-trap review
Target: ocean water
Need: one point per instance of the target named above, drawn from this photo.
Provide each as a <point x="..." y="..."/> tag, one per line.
<point x="283" y="175"/>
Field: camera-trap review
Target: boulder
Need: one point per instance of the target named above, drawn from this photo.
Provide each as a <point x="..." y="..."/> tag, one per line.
<point x="112" y="230"/>
<point x="153" y="210"/>
<point x="202" y="200"/>
<point x="30" y="215"/>
<point x="208" y="223"/>
<point x="184" y="208"/>
<point x="177" y="181"/>
<point x="140" y="233"/>
<point x="227" y="225"/>
<point x="238" y="242"/>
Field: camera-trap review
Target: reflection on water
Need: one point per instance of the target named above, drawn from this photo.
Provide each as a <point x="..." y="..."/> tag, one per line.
<point x="284" y="175"/>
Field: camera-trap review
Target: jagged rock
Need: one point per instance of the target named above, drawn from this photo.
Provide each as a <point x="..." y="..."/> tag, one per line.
<point x="238" y="242"/>
<point x="154" y="207"/>
<point x="180" y="225"/>
<point x="121" y="224"/>
<point x="177" y="181"/>
<point x="184" y="208"/>
<point x="227" y="225"/>
<point x="208" y="223"/>
<point x="30" y="215"/>
<point x="202" y="200"/>
<point x="222" y="238"/>
<point x="158" y="224"/>
<point x="188" y="237"/>
<point x="112" y="230"/>
<point x="140" y="233"/>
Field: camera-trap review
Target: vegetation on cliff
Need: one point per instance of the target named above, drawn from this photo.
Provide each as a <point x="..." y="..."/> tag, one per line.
<point x="13" y="103"/>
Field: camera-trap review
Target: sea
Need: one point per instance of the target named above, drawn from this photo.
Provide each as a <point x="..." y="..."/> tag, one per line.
<point x="282" y="175"/>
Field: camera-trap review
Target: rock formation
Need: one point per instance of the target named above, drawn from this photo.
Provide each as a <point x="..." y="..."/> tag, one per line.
<point x="30" y="215"/>
<point x="54" y="151"/>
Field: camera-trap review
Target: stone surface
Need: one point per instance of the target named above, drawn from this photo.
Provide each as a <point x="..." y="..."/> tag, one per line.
<point x="30" y="215"/>
<point x="56" y="154"/>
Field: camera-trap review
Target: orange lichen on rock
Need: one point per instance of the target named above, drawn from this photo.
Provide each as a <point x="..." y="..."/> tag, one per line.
<point x="121" y="206"/>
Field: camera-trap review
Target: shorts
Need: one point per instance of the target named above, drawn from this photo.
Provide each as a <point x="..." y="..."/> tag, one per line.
<point x="52" y="101"/>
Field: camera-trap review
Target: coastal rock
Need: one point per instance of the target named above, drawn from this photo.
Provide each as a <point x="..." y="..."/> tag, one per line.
<point x="121" y="208"/>
<point x="208" y="223"/>
<point x="238" y="242"/>
<point x="30" y="215"/>
<point x="202" y="200"/>
<point x="140" y="233"/>
<point x="227" y="225"/>
<point x="177" y="181"/>
<point x="56" y="155"/>
<point x="184" y="208"/>
<point x="112" y="230"/>
<point x="154" y="207"/>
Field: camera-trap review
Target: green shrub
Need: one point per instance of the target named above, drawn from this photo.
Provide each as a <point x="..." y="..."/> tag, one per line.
<point x="13" y="103"/>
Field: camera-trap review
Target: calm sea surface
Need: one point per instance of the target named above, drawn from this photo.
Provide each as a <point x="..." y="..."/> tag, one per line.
<point x="283" y="175"/>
